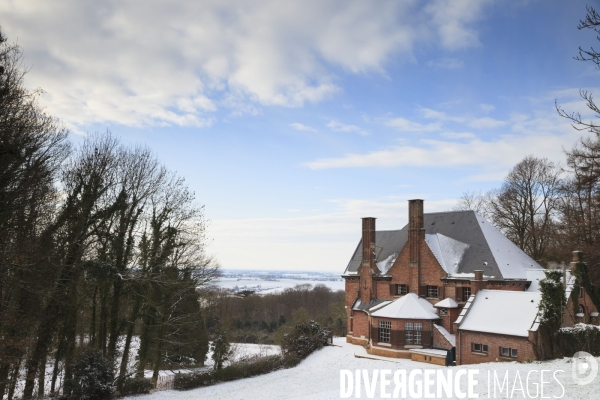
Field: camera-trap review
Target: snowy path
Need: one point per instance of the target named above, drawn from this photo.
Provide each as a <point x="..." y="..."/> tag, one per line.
<point x="318" y="377"/>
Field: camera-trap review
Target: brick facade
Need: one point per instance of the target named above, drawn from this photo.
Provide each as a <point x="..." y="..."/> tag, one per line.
<point x="440" y="341"/>
<point x="465" y="354"/>
<point x="417" y="267"/>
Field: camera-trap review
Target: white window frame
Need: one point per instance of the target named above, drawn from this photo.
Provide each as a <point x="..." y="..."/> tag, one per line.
<point x="400" y="289"/>
<point x="385" y="331"/>
<point x="412" y="332"/>
<point x="433" y="291"/>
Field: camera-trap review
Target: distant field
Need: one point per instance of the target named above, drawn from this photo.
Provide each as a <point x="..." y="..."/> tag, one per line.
<point x="269" y="286"/>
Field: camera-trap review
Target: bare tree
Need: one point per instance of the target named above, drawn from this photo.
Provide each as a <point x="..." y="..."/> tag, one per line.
<point x="475" y="201"/>
<point x="32" y="147"/>
<point x="591" y="21"/>
<point x="525" y="207"/>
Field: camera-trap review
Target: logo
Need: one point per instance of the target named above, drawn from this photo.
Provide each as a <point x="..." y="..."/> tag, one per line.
<point x="585" y="368"/>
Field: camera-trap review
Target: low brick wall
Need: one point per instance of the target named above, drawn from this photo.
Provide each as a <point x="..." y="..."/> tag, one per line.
<point x="355" y="340"/>
<point x="431" y="359"/>
<point x="379" y="351"/>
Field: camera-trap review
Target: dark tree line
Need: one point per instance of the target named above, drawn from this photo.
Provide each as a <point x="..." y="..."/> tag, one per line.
<point x="550" y="210"/>
<point x="265" y="318"/>
<point x="98" y="244"/>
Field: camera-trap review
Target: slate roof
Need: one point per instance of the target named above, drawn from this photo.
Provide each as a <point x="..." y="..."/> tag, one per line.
<point x="462" y="241"/>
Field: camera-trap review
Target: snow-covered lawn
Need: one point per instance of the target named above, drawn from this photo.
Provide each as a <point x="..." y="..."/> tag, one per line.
<point x="318" y="377"/>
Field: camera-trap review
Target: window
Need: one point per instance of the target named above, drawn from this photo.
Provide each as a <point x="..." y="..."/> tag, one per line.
<point x="508" y="352"/>
<point x="412" y="332"/>
<point x="581" y="310"/>
<point x="466" y="293"/>
<point x="385" y="329"/>
<point x="432" y="291"/>
<point x="443" y="312"/>
<point x="402" y="289"/>
<point x="479" y="348"/>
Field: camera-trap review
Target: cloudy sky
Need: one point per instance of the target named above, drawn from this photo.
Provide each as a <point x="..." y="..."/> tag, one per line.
<point x="292" y="120"/>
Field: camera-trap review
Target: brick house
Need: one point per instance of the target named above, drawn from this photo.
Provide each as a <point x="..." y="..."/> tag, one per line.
<point x="413" y="292"/>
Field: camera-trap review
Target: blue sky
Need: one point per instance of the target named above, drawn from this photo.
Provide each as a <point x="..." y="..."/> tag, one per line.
<point x="292" y="120"/>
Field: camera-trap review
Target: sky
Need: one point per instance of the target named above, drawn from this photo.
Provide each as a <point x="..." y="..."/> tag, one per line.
<point x="291" y="120"/>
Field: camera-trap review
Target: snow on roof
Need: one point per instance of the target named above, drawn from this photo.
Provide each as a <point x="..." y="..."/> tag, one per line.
<point x="447" y="251"/>
<point x="409" y="306"/>
<point x="450" y="337"/>
<point x="378" y="306"/>
<point x="535" y="276"/>
<point x="356" y="305"/>
<point x="511" y="260"/>
<point x="462" y="242"/>
<point x="465" y="309"/>
<point x="448" y="302"/>
<point x="502" y="312"/>
<point x="385" y="265"/>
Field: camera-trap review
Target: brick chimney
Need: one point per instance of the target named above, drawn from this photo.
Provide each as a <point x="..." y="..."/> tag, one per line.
<point x="367" y="266"/>
<point x="477" y="284"/>
<point x="577" y="258"/>
<point x="416" y="237"/>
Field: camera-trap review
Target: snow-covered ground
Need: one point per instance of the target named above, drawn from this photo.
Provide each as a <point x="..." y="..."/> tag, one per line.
<point x="319" y="377"/>
<point x="263" y="286"/>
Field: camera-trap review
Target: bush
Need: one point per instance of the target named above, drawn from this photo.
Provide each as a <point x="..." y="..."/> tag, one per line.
<point x="304" y="339"/>
<point x="221" y="350"/>
<point x="580" y="337"/>
<point x="245" y="369"/>
<point x="134" y="385"/>
<point x="92" y="377"/>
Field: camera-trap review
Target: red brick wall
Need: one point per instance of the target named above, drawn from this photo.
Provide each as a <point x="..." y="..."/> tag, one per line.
<point x="439" y="341"/>
<point x="447" y="321"/>
<point x="569" y="318"/>
<point x="466" y="356"/>
<point x="430" y="272"/>
<point x="360" y="324"/>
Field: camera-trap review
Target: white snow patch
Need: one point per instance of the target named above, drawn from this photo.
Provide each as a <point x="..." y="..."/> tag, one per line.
<point x="511" y="260"/>
<point x="409" y="306"/>
<point x="449" y="252"/>
<point x="502" y="312"/>
<point x="448" y="302"/>
<point x="385" y="265"/>
<point x="318" y="377"/>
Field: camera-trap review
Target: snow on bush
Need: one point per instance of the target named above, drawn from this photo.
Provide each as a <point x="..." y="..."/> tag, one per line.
<point x="304" y="339"/>
<point x="92" y="377"/>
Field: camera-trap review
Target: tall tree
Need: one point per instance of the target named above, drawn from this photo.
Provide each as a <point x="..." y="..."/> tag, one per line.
<point x="524" y="208"/>
<point x="32" y="147"/>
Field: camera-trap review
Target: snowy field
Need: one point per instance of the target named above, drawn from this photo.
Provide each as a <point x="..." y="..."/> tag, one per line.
<point x="318" y="377"/>
<point x="269" y="286"/>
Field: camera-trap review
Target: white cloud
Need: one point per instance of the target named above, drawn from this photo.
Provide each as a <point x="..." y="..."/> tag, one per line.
<point x="340" y="127"/>
<point x="545" y="135"/>
<point x="177" y="62"/>
<point x="241" y="243"/>
<point x="445" y="63"/>
<point x="478" y="123"/>
<point x="486" y="108"/>
<point x="458" y="135"/>
<point x="453" y="19"/>
<point x="486" y="123"/>
<point x="301" y="127"/>
<point x="405" y="125"/>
